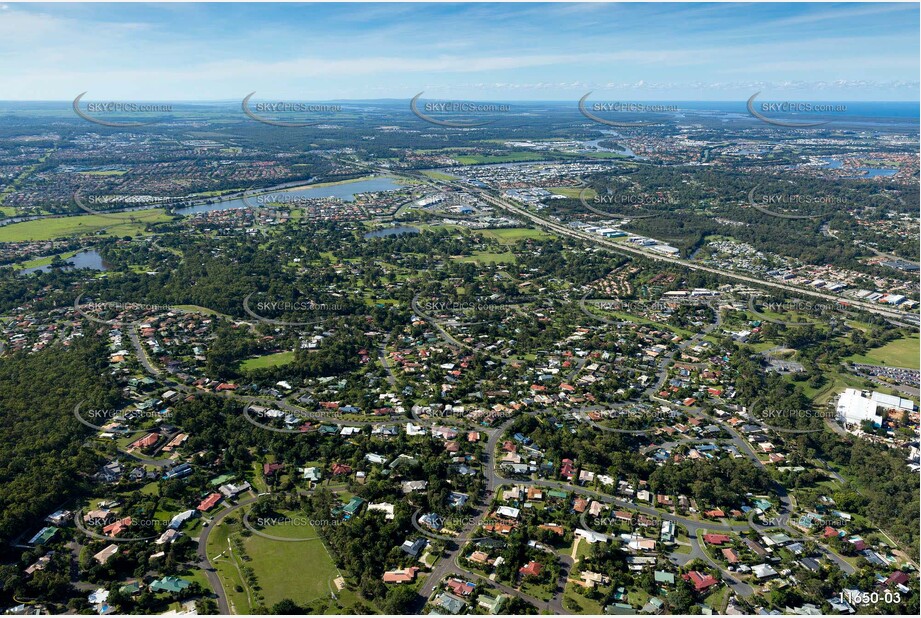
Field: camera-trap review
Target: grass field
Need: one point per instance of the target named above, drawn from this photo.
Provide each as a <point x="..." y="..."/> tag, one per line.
<point x="195" y="309"/>
<point x="43" y="261"/>
<point x="511" y="235"/>
<point x="438" y="175"/>
<point x="269" y="360"/>
<point x="509" y="158"/>
<point x="7" y="211"/>
<point x="302" y="571"/>
<point x="105" y="173"/>
<point x="578" y="604"/>
<point x="485" y="257"/>
<point x="899" y="353"/>
<point x="572" y="192"/>
<point x="116" y="224"/>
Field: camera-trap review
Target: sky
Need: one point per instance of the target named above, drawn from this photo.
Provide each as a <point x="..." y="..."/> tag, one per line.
<point x="475" y="51"/>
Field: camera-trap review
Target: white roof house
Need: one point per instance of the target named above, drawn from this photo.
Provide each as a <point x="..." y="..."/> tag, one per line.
<point x="591" y="536"/>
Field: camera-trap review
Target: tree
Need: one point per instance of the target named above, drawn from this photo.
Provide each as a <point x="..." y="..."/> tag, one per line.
<point x="287" y="607"/>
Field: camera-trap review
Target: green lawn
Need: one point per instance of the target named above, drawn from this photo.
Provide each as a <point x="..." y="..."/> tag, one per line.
<point x="637" y="598"/>
<point x="582" y="605"/>
<point x="572" y="192"/>
<point x="899" y="353"/>
<point x="511" y="235"/>
<point x="196" y="309"/>
<point x="438" y="175"/>
<point x="717" y="600"/>
<point x="301" y="571"/>
<point x="43" y="261"/>
<point x="105" y="173"/>
<point x="269" y="360"/>
<point x="486" y="257"/>
<point x="509" y="158"/>
<point x="116" y="224"/>
<point x="538" y="591"/>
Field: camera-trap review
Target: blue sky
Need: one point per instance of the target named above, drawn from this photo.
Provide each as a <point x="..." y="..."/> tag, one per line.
<point x="674" y="51"/>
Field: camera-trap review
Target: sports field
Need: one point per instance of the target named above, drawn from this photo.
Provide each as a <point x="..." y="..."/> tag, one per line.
<point x="902" y="352"/>
<point x="116" y="224"/>
<point x="511" y="235"/>
<point x="269" y="360"/>
<point x="301" y="571"/>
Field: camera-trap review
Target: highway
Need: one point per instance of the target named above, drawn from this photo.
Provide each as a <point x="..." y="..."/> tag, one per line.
<point x="624" y="248"/>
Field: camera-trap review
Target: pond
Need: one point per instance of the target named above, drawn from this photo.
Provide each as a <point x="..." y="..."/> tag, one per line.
<point x="392" y="231"/>
<point x="87" y="258"/>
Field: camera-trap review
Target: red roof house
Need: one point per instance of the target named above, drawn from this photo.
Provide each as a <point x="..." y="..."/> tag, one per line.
<point x="700" y="581"/>
<point x="341" y="468"/>
<point x="209" y="502"/>
<point x="531" y="569"/>
<point x="270" y="469"/>
<point x="117" y="527"/>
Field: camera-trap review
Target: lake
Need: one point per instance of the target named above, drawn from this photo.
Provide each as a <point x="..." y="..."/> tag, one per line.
<point x="392" y="231"/>
<point x="85" y="259"/>
<point x="874" y="172"/>
<point x="345" y="192"/>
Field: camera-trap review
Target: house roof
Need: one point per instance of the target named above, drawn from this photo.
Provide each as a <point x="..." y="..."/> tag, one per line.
<point x="531" y="568"/>
<point x="400" y="576"/>
<point x="210" y="501"/>
<point x="700" y="581"/>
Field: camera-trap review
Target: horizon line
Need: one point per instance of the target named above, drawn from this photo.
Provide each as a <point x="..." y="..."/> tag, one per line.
<point x="401" y="99"/>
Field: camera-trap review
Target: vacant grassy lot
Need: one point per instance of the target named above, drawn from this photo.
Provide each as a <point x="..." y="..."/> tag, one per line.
<point x="116" y="224"/>
<point x="300" y="571"/>
<point x="485" y="257"/>
<point x="511" y="235"/>
<point x="269" y="360"/>
<point x="105" y="173"/>
<point x="899" y="353"/>
<point x="509" y="158"/>
<point x="572" y="192"/>
<point x="438" y="175"/>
